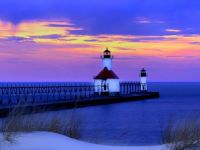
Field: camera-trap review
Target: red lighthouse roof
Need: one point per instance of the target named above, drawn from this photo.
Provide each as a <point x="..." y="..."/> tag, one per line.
<point x="106" y="74"/>
<point x="106" y="51"/>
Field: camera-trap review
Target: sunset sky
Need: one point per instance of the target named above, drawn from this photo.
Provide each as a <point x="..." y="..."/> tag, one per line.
<point x="62" y="40"/>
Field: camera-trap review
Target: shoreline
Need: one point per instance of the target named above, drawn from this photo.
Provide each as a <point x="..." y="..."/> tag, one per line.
<point x="61" y="142"/>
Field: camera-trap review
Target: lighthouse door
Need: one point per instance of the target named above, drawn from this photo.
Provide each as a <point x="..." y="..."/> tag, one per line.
<point x="104" y="86"/>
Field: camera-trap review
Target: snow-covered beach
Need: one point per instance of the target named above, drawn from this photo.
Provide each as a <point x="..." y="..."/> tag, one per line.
<point x="53" y="141"/>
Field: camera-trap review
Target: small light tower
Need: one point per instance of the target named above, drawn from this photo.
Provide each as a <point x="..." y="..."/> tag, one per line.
<point x="107" y="59"/>
<point x="143" y="80"/>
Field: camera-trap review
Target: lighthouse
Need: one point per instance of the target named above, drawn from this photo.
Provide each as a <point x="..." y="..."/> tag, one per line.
<point x="107" y="59"/>
<point x="107" y="82"/>
<point x="143" y="80"/>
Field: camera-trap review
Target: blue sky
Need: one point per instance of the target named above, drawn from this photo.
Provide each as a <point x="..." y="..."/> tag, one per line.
<point x="110" y="17"/>
<point x="46" y="36"/>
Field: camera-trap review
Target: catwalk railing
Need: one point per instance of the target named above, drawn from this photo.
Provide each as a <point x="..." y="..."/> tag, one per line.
<point x="12" y="94"/>
<point x="127" y="88"/>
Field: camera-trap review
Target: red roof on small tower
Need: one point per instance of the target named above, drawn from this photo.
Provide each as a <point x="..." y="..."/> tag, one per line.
<point x="106" y="51"/>
<point x="106" y="74"/>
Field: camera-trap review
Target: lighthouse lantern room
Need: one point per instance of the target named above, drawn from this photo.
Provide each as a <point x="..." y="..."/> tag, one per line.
<point x="107" y="82"/>
<point x="107" y="59"/>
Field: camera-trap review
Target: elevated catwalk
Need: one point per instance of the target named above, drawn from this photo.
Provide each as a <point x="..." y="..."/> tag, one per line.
<point x="37" y="98"/>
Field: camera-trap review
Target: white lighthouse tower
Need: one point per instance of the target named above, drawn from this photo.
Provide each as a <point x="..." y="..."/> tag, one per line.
<point x="107" y="82"/>
<point x="107" y="59"/>
<point x="143" y="80"/>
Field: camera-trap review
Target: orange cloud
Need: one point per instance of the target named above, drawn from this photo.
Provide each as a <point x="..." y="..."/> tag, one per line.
<point x="57" y="34"/>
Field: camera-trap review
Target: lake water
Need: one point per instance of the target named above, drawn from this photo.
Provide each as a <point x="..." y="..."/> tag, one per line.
<point x="142" y="122"/>
<point x="136" y="123"/>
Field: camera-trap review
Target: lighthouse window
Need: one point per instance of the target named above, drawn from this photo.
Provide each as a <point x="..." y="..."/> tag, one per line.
<point x="104" y="87"/>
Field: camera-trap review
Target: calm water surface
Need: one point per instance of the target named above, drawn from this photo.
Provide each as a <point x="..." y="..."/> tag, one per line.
<point x="139" y="123"/>
<point x="136" y="123"/>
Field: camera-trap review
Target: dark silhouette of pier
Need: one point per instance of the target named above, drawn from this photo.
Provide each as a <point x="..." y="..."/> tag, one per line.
<point x="64" y="95"/>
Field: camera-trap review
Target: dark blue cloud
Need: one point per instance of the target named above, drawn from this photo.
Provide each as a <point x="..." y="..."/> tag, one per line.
<point x="59" y="25"/>
<point x="143" y="39"/>
<point x="109" y="16"/>
<point x="16" y="38"/>
<point x="92" y="40"/>
<point x="51" y="36"/>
